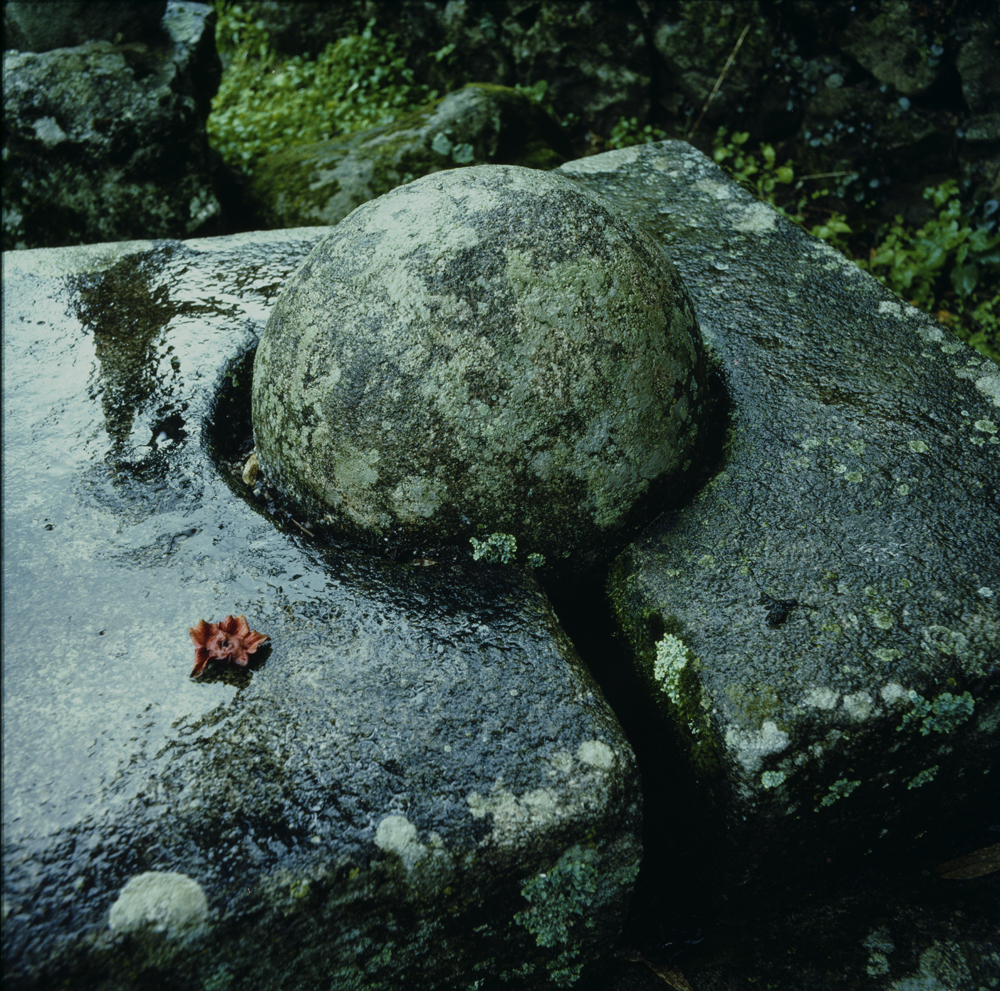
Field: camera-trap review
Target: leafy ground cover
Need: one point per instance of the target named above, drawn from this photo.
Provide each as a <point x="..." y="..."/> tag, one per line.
<point x="949" y="266"/>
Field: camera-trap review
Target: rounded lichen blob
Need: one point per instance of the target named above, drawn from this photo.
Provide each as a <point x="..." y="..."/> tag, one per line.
<point x="484" y="350"/>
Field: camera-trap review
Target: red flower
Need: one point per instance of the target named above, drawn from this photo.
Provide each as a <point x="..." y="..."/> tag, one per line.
<point x="230" y="640"/>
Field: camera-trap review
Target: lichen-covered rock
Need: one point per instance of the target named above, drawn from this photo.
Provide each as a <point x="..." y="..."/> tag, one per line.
<point x="479" y="124"/>
<point x="107" y="142"/>
<point x="40" y="27"/>
<point x="819" y="627"/>
<point x="483" y="350"/>
<point x="419" y="786"/>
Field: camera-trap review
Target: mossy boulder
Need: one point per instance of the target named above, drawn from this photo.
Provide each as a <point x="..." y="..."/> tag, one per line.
<point x="479" y="124"/>
<point x="484" y="350"/>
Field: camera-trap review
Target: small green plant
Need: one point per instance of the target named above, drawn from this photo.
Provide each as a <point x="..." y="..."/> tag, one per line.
<point x="628" y="132"/>
<point x="760" y="172"/>
<point x="266" y="103"/>
<point x="496" y="548"/>
<point x="946" y="266"/>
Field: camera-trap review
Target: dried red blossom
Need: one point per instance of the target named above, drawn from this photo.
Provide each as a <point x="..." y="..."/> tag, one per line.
<point x="230" y="640"/>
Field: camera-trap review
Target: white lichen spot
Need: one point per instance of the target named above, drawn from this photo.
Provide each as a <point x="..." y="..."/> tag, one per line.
<point x="985" y="592"/>
<point x="893" y="692"/>
<point x="596" y="753"/>
<point x="986" y="426"/>
<point x="717" y="190"/>
<point x="887" y="654"/>
<point x="751" y="747"/>
<point x="609" y="161"/>
<point x="858" y="705"/>
<point x="162" y="902"/>
<point x="989" y="385"/>
<point x="396" y="834"/>
<point x="917" y="446"/>
<point x="879" y="944"/>
<point x="671" y="659"/>
<point x="856" y="446"/>
<point x="822" y="698"/>
<point x="810" y="442"/>
<point x="48" y="131"/>
<point x="903" y="490"/>
<point x="882" y="618"/>
<point x="757" y="217"/>
<point x="771" y="779"/>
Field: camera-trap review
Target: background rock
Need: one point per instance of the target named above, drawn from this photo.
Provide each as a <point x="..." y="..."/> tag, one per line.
<point x="695" y="43"/>
<point x="888" y="39"/>
<point x="594" y="56"/>
<point x="107" y="142"/>
<point x="482" y="351"/>
<point x="476" y="125"/>
<point x="40" y="27"/>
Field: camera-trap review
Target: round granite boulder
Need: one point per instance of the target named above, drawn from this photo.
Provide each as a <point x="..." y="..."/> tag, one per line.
<point x="485" y="350"/>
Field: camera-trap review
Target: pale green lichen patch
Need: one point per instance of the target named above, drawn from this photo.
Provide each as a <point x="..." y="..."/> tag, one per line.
<point x="923" y="777"/>
<point x="986" y="426"/>
<point x="942" y="715"/>
<point x="672" y="658"/>
<point x="917" y="446"/>
<point x="838" y="790"/>
<point x="675" y="671"/>
<point x="771" y="779"/>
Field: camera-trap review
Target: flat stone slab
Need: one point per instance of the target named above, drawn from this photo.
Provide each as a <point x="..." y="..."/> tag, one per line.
<point x="416" y="783"/>
<point x="819" y="628"/>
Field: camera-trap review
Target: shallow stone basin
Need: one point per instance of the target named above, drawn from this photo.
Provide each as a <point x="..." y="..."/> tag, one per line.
<point x="416" y="782"/>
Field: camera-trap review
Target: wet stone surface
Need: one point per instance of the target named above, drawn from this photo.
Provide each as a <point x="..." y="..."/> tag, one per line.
<point x="415" y="780"/>
<point x="819" y="628"/>
<point x="312" y="800"/>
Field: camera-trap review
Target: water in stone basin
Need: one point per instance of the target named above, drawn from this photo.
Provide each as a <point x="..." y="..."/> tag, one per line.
<point x="423" y="739"/>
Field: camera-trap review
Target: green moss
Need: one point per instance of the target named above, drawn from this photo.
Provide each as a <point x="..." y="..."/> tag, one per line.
<point x="755" y="701"/>
<point x="266" y="103"/>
